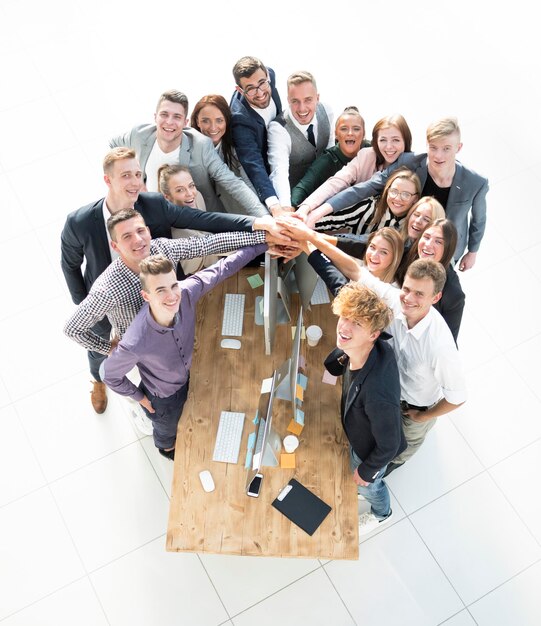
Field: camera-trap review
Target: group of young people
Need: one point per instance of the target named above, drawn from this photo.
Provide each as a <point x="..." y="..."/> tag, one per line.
<point x="382" y="225"/>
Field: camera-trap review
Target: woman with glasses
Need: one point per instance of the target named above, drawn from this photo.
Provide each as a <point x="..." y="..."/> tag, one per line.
<point x="349" y="134"/>
<point x="401" y="191"/>
<point x="211" y="116"/>
<point x="391" y="136"/>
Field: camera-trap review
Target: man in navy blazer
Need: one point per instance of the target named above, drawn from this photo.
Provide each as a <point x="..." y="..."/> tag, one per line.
<point x="84" y="237"/>
<point x="254" y="105"/>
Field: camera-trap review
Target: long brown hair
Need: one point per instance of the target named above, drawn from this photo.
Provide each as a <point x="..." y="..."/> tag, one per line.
<point x="227" y="140"/>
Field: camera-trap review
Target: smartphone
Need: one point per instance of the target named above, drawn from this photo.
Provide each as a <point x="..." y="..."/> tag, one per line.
<point x="255" y="486"/>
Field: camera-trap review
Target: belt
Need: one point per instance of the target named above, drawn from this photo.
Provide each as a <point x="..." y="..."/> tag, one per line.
<point x="404" y="406"/>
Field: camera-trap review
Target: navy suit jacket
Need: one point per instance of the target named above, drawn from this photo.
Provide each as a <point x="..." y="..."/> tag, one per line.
<point x="250" y="139"/>
<point x="84" y="235"/>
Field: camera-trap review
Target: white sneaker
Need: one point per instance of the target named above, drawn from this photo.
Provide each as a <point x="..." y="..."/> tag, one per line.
<point x="369" y="522"/>
<point x="140" y="418"/>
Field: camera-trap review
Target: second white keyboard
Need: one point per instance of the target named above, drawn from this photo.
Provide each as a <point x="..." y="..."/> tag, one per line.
<point x="228" y="437"/>
<point x="233" y="314"/>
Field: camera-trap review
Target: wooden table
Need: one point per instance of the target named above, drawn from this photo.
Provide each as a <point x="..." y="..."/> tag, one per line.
<point x="226" y="520"/>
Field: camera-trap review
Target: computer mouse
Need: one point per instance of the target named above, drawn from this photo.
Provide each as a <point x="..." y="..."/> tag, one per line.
<point x="230" y="343"/>
<point x="206" y="480"/>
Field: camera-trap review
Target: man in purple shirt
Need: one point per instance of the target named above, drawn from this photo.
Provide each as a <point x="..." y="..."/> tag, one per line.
<point x="160" y="340"/>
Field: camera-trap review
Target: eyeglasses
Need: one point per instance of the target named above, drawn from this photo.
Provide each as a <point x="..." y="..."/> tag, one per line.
<point x="261" y="86"/>
<point x="404" y="195"/>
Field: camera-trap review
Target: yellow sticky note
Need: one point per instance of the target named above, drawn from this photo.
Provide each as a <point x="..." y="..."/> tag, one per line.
<point x="287" y="461"/>
<point x="295" y="428"/>
<point x="300" y="392"/>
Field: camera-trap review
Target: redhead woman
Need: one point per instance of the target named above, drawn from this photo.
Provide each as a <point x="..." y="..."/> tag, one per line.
<point x="391" y="136"/>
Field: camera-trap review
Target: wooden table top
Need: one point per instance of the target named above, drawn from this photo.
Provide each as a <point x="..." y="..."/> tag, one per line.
<point x="227" y="521"/>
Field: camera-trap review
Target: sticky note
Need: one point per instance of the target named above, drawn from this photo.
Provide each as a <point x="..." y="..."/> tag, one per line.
<point x="295" y="428"/>
<point x="303" y="332"/>
<point x="251" y="441"/>
<point x="266" y="385"/>
<point x="255" y="281"/>
<point x="248" y="462"/>
<point x="261" y="306"/>
<point x="299" y="417"/>
<point x="302" y="380"/>
<point x="299" y="392"/>
<point x="328" y="378"/>
<point x="256" y="418"/>
<point x="287" y="461"/>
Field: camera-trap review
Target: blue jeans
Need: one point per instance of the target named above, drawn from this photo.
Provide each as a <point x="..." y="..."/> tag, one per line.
<point x="167" y="412"/>
<point x="375" y="493"/>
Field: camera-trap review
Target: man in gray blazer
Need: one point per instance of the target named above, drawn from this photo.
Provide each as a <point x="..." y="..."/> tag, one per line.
<point x="169" y="141"/>
<point x="461" y="191"/>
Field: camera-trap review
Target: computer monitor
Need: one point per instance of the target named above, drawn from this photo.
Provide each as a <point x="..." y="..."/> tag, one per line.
<point x="268" y="443"/>
<point x="288" y="372"/>
<point x="276" y="300"/>
<point x="303" y="279"/>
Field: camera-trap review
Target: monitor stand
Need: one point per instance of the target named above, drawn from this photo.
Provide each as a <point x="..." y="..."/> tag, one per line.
<point x="283" y="384"/>
<point x="282" y="315"/>
<point x="273" y="447"/>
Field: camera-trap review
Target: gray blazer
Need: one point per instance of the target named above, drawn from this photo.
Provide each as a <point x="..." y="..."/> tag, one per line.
<point x="466" y="205"/>
<point x="208" y="171"/>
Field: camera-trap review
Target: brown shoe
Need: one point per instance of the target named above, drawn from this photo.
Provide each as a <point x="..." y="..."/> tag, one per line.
<point x="98" y="397"/>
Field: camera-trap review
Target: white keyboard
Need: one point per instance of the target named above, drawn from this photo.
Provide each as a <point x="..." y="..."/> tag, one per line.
<point x="228" y="437"/>
<point x="233" y="314"/>
<point x="321" y="293"/>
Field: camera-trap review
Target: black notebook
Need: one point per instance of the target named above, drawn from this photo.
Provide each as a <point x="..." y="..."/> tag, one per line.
<point x="301" y="506"/>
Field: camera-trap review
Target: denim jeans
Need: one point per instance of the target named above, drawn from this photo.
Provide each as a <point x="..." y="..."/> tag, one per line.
<point x="376" y="493"/>
<point x="167" y="412"/>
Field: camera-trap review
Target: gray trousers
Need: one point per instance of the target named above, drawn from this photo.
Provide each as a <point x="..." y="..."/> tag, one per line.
<point x="415" y="433"/>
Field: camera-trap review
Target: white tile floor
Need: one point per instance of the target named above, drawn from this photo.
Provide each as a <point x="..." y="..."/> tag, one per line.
<point x="84" y="499"/>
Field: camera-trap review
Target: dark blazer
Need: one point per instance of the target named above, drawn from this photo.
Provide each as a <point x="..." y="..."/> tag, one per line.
<point x="452" y="301"/>
<point x="84" y="235"/>
<point x="250" y="139"/>
<point x="371" y="411"/>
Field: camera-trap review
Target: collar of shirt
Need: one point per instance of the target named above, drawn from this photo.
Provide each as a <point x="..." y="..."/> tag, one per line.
<point x="304" y="127"/>
<point x="420" y="328"/>
<point x="106" y="215"/>
<point x="154" y="324"/>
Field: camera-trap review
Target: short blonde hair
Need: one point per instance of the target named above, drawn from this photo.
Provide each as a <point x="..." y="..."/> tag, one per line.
<point x="301" y="77"/>
<point x="442" y="128"/>
<point x="360" y="304"/>
<point x="117" y="154"/>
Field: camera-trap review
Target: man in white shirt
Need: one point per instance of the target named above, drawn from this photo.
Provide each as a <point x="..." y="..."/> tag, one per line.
<point x="431" y="377"/>
<point x="299" y="135"/>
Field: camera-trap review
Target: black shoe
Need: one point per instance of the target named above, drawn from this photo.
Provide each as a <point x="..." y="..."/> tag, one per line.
<point x="391" y="468"/>
<point x="168" y="454"/>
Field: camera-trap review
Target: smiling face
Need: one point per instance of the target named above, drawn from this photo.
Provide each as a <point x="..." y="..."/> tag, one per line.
<point x="401" y="196"/>
<point x="212" y="123"/>
<point x="303" y="99"/>
<point x="162" y="292"/>
<point x="131" y="239"/>
<point x="442" y="153"/>
<point x="378" y="256"/>
<point x="256" y="89"/>
<point x="349" y="133"/>
<point x="125" y="181"/>
<point x="419" y="220"/>
<point x="353" y="336"/>
<point x="416" y="297"/>
<point x="391" y="144"/>
<point x="431" y="244"/>
<point x="170" y="118"/>
<point x="182" y="189"/>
